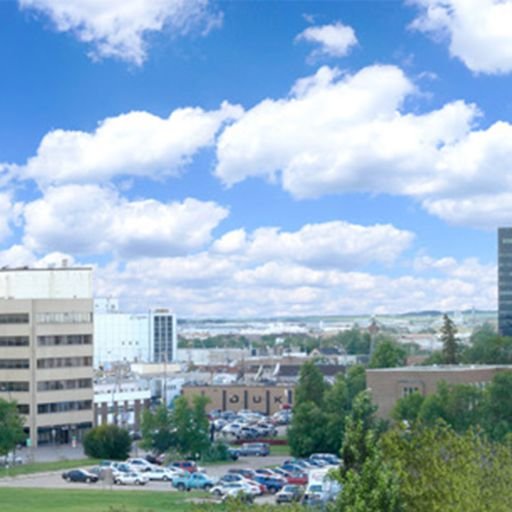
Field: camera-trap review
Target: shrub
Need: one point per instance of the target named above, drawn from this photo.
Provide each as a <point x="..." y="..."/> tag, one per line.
<point x="107" y="442"/>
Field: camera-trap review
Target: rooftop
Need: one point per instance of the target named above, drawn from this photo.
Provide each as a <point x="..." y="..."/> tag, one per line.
<point x="442" y="368"/>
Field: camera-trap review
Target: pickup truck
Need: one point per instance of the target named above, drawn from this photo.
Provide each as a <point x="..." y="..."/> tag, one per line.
<point x="186" y="482"/>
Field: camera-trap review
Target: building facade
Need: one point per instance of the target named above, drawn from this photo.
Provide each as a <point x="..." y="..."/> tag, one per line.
<point x="125" y="338"/>
<point x="46" y="350"/>
<point x="234" y="397"/>
<point x="388" y="385"/>
<point x="505" y="281"/>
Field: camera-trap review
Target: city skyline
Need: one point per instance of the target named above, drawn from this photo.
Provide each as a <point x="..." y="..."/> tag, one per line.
<point x="260" y="159"/>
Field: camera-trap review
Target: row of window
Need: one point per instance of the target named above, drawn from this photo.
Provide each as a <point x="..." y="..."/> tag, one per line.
<point x="14" y="387"/>
<point x="57" y="385"/>
<point x="63" y="362"/>
<point x="71" y="339"/>
<point x="14" y="364"/>
<point x="14" y="341"/>
<point x="79" y="405"/>
<point x="23" y="408"/>
<point x="64" y="318"/>
<point x="14" y="318"/>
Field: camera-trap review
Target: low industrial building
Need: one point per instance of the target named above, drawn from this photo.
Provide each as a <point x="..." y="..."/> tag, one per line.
<point x="388" y="385"/>
<point x="234" y="397"/>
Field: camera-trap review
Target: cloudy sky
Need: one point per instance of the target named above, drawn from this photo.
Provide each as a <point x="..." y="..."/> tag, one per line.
<point x="257" y="158"/>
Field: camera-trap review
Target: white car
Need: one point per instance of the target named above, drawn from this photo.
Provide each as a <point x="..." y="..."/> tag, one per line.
<point x="121" y="478"/>
<point x="232" y="429"/>
<point x="10" y="460"/>
<point x="235" y="488"/>
<point x="162" y="474"/>
<point x="140" y="464"/>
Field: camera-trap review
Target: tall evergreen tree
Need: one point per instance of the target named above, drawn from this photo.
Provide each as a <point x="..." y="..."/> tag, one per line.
<point x="311" y="386"/>
<point x="450" y="341"/>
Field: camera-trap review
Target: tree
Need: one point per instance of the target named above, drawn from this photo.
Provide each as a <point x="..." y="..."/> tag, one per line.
<point x="107" y="442"/>
<point x="498" y="406"/>
<point x="408" y="408"/>
<point x="487" y="347"/>
<point x="336" y="406"/>
<point x="359" y="423"/>
<point x="388" y="354"/>
<point x="356" y="380"/>
<point x="157" y="429"/>
<point x="450" y="342"/>
<point x="191" y="425"/>
<point x="11" y="427"/>
<point x="310" y="387"/>
<point x="306" y="433"/>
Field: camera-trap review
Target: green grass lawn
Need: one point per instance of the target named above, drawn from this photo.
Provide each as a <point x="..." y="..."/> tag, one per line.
<point x="40" y="467"/>
<point x="57" y="500"/>
<point x="280" y="449"/>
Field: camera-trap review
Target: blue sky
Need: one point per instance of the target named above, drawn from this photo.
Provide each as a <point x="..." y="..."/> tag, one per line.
<point x="256" y="158"/>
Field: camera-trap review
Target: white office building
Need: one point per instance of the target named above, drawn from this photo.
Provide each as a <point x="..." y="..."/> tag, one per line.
<point x="132" y="337"/>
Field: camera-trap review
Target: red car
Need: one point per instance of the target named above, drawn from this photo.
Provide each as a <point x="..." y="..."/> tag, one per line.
<point x="185" y="465"/>
<point x="297" y="478"/>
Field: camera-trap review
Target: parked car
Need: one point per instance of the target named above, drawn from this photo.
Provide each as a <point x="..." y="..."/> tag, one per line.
<point x="190" y="481"/>
<point x="133" y="478"/>
<point x="233" y="453"/>
<point x="273" y="484"/>
<point x="257" y="449"/>
<point x="329" y="458"/>
<point x="222" y="488"/>
<point x="186" y="465"/>
<point x="162" y="474"/>
<point x="246" y="473"/>
<point x="140" y="464"/>
<point x="80" y="475"/>
<point x="247" y="432"/>
<point x="290" y="494"/>
<point x="11" y="459"/>
<point x="155" y="459"/>
<point x="238" y="494"/>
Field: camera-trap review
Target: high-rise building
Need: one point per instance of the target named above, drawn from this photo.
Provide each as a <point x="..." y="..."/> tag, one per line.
<point x="46" y="350"/>
<point x="133" y="337"/>
<point x="505" y="281"/>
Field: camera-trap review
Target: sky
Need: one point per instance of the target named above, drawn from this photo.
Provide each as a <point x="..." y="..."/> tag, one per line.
<point x="257" y="158"/>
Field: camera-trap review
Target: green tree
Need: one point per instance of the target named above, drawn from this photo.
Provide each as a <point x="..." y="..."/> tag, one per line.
<point x="306" y="433"/>
<point x="450" y="341"/>
<point x="107" y="442"/>
<point x="498" y="406"/>
<point x="359" y="423"/>
<point x="487" y="347"/>
<point x="11" y="427"/>
<point x="356" y="380"/>
<point x="157" y="429"/>
<point x="408" y="408"/>
<point x="336" y="406"/>
<point x="191" y="425"/>
<point x="310" y="387"/>
<point x="388" y="354"/>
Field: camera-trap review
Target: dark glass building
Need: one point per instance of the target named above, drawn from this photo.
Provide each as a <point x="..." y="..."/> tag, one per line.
<point x="505" y="281"/>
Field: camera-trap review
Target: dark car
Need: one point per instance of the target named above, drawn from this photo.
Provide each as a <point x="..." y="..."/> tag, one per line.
<point x="154" y="459"/>
<point x="258" y="449"/>
<point x="273" y="485"/>
<point x="79" y="475"/>
<point x="233" y="453"/>
<point x="289" y="494"/>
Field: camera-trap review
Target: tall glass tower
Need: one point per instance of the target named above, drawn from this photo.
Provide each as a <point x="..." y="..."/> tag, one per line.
<point x="505" y="281"/>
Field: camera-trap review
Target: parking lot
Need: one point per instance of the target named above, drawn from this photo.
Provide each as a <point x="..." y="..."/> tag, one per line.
<point x="53" y="480"/>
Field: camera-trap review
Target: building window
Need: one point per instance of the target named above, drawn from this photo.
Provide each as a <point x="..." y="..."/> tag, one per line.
<point x="63" y="362"/>
<point x="409" y="390"/>
<point x="64" y="318"/>
<point x="14" y="341"/>
<point x="14" y="364"/>
<point x="58" y="385"/>
<point x="23" y="409"/>
<point x="14" y="318"/>
<point x="55" y="407"/>
<point x="74" y="339"/>
<point x="14" y="387"/>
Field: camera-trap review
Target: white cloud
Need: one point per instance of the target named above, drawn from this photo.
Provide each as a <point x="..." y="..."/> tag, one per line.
<point x="478" y="31"/>
<point x="134" y="144"/>
<point x="334" y="40"/>
<point x="335" y="244"/>
<point x="118" y="28"/>
<point x="87" y="219"/>
<point x="9" y="214"/>
<point x="339" y="133"/>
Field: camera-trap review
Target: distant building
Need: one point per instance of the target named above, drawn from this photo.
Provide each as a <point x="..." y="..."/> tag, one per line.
<point x="128" y="337"/>
<point x="505" y="281"/>
<point x="46" y="350"/>
<point x="234" y="397"/>
<point x="388" y="385"/>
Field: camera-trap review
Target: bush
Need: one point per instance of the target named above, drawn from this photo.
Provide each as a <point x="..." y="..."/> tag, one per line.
<point x="217" y="452"/>
<point x="107" y="442"/>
